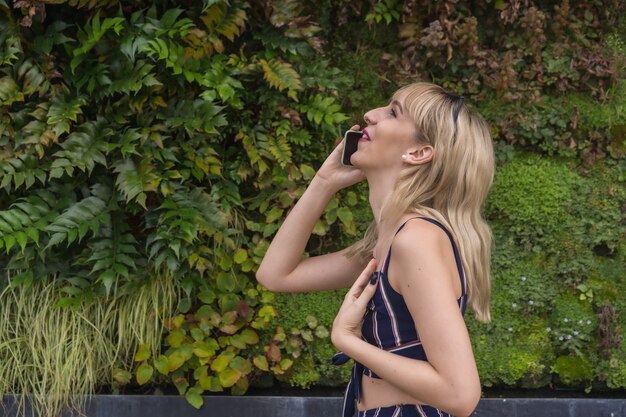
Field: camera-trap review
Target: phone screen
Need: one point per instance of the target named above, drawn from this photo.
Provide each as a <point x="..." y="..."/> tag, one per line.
<point x="350" y="145"/>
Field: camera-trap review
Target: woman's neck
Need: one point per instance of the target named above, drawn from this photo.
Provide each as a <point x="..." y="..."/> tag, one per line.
<point x="379" y="190"/>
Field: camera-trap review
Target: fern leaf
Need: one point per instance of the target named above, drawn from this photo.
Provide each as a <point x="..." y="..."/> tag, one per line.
<point x="279" y="147"/>
<point x="22" y="221"/>
<point x="93" y="31"/>
<point x="9" y="91"/>
<point x="180" y="220"/>
<point x="44" y="42"/>
<point x="228" y="21"/>
<point x="77" y="220"/>
<point x="112" y="256"/>
<point x="134" y="180"/>
<point x="23" y="169"/>
<point x="61" y="113"/>
<point x="132" y="79"/>
<point x="38" y="133"/>
<point x="10" y="45"/>
<point x="93" y="4"/>
<point x="82" y="149"/>
<point x="323" y="110"/>
<point x="33" y="78"/>
<point x="170" y="25"/>
<point x="198" y="115"/>
<point x="281" y="76"/>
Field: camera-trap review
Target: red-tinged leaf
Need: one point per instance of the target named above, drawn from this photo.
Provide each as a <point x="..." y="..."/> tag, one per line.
<point x="229" y="328"/>
<point x="229" y="317"/>
<point x="243" y="309"/>
<point x="273" y="353"/>
<point x="181" y="385"/>
<point x="121" y="376"/>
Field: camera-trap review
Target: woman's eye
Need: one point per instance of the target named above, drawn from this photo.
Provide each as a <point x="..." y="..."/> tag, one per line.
<point x="392" y="113"/>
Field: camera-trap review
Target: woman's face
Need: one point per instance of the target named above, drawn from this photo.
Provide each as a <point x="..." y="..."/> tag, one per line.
<point x="389" y="133"/>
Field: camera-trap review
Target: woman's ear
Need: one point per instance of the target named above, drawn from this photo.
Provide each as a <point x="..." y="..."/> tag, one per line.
<point x="419" y="156"/>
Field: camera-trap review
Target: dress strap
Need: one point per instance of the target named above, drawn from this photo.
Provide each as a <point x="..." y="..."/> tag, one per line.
<point x="385" y="267"/>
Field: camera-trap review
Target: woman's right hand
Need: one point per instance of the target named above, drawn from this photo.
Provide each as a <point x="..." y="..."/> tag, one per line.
<point x="337" y="175"/>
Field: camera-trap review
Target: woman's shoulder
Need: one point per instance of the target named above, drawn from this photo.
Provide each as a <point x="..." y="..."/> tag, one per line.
<point x="420" y="236"/>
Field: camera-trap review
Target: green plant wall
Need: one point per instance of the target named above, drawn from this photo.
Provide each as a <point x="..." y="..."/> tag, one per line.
<point x="151" y="140"/>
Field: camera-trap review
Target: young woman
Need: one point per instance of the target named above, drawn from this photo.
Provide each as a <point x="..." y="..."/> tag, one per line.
<point x="429" y="164"/>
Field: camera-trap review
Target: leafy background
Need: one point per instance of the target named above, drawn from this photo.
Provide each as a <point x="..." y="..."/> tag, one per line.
<point x="150" y="149"/>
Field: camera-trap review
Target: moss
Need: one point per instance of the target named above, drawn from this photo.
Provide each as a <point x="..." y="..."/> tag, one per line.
<point x="530" y="198"/>
<point x="595" y="115"/>
<point x="296" y="311"/>
<point x="523" y="288"/>
<point x="513" y="356"/>
<point x="573" y="369"/>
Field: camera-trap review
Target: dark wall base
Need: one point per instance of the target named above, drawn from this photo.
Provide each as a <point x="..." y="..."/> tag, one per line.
<point x="256" y="406"/>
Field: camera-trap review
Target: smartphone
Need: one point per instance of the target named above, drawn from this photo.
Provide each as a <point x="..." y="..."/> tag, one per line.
<point x="350" y="145"/>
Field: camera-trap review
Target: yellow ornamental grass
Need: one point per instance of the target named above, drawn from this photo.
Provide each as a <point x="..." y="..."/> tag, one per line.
<point x="59" y="355"/>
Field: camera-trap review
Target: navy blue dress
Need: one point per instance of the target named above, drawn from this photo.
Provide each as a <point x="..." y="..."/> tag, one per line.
<point x="388" y="325"/>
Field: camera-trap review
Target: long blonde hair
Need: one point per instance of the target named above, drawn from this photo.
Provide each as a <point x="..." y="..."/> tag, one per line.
<point x="452" y="188"/>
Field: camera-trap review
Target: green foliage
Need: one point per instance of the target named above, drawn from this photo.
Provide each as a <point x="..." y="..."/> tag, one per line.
<point x="311" y="316"/>
<point x="549" y="303"/>
<point x="573" y="369"/>
<point x="164" y="142"/>
<point x="530" y="199"/>
<point x="387" y="10"/>
<point x="154" y="141"/>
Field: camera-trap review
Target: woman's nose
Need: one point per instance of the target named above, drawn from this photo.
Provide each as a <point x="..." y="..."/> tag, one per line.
<point x="369" y="117"/>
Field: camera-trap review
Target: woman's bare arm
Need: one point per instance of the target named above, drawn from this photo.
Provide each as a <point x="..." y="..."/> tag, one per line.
<point x="283" y="267"/>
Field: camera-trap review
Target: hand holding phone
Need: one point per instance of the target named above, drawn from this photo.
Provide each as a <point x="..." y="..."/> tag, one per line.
<point x="350" y="145"/>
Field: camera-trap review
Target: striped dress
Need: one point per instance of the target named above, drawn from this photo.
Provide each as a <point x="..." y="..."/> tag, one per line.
<point x="388" y="324"/>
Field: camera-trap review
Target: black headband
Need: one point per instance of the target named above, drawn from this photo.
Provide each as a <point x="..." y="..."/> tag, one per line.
<point x="458" y="100"/>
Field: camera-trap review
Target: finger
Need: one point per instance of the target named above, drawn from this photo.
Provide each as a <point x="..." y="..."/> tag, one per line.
<point x="366" y="295"/>
<point x="363" y="279"/>
<point x="355" y="127"/>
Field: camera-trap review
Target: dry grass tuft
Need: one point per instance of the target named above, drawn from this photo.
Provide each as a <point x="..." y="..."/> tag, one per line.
<point x="59" y="356"/>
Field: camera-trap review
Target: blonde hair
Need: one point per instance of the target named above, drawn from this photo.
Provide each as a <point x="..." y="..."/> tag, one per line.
<point x="451" y="188"/>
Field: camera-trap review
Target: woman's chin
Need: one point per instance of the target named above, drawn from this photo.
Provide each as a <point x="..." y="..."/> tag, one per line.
<point x="356" y="160"/>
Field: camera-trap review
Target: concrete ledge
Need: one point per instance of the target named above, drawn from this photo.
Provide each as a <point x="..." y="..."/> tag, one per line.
<point x="262" y="406"/>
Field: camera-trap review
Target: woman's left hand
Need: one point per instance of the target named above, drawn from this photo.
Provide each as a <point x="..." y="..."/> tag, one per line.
<point x="348" y="321"/>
